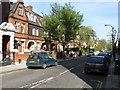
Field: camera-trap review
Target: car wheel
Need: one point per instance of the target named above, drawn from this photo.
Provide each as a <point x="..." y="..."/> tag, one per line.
<point x="44" y="66"/>
<point x="56" y="63"/>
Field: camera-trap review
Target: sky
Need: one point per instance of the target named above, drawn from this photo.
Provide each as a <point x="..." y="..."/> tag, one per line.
<point x="96" y="13"/>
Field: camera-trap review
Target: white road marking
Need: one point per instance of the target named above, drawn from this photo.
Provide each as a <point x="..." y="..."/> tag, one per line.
<point x="42" y="82"/>
<point x="37" y="83"/>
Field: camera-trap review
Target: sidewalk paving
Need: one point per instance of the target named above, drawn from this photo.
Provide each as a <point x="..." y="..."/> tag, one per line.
<point x="113" y="80"/>
<point x="21" y="66"/>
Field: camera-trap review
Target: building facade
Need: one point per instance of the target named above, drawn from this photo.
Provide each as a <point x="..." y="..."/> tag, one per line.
<point x="26" y="36"/>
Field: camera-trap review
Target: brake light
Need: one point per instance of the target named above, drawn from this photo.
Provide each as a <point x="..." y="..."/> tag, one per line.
<point x="38" y="59"/>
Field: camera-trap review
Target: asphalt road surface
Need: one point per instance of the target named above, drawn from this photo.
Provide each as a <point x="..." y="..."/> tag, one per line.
<point x="68" y="74"/>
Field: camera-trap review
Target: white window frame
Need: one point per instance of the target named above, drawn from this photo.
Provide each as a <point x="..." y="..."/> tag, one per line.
<point x="35" y="18"/>
<point x="38" y="45"/>
<point x="23" y="28"/>
<point x="33" y="31"/>
<point x="37" y="32"/>
<point x="20" y="11"/>
<point x="17" y="26"/>
<point x="22" y="47"/>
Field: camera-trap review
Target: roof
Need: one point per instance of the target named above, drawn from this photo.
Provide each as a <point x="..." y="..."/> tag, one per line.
<point x="13" y="7"/>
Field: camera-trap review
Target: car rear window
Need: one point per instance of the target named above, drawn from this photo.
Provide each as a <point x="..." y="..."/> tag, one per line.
<point x="33" y="57"/>
<point x="95" y="60"/>
<point x="44" y="56"/>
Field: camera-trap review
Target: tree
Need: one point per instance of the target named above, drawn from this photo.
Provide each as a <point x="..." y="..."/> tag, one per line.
<point x="63" y="22"/>
<point x="86" y="34"/>
<point x="103" y="44"/>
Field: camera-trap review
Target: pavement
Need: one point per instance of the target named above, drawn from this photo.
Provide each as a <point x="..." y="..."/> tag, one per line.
<point x="112" y="80"/>
<point x="21" y="66"/>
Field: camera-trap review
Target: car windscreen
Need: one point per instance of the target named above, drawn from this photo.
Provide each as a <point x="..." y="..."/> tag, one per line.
<point x="95" y="60"/>
<point x="33" y="57"/>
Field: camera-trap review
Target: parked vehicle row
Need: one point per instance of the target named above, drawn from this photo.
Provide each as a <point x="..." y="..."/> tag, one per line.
<point x="99" y="63"/>
<point x="96" y="64"/>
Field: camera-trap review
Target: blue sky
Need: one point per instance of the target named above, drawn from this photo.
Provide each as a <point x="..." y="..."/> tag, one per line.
<point x="96" y="13"/>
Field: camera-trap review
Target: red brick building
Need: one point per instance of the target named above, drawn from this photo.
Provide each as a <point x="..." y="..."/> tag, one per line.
<point x="28" y="27"/>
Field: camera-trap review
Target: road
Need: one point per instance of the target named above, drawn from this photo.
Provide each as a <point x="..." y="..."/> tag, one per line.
<point x="68" y="74"/>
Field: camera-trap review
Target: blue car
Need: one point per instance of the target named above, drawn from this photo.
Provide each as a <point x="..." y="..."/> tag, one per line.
<point x="40" y="60"/>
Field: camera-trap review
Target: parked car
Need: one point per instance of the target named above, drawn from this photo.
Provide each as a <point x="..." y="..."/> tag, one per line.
<point x="38" y="52"/>
<point x="105" y="55"/>
<point x="96" y="64"/>
<point x="109" y="53"/>
<point x="40" y="60"/>
<point x="91" y="54"/>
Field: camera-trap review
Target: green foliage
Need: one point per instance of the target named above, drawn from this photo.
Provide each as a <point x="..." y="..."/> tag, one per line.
<point x="62" y="21"/>
<point x="87" y="35"/>
<point x="103" y="44"/>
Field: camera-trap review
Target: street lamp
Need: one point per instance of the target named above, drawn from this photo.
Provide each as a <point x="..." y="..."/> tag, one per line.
<point x="113" y="39"/>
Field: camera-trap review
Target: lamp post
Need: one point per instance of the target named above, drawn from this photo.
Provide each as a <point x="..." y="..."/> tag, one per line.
<point x="113" y="40"/>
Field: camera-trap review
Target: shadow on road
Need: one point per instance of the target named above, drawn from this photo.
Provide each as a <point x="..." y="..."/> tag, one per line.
<point x="92" y="79"/>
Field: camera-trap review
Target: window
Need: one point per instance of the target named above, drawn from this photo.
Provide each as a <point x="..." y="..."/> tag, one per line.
<point x="17" y="26"/>
<point x="33" y="57"/>
<point x="34" y="19"/>
<point x="37" y="33"/>
<point x="38" y="43"/>
<point x="33" y="31"/>
<point x="23" y="45"/>
<point x="23" y="28"/>
<point x="16" y="44"/>
<point x="20" y="11"/>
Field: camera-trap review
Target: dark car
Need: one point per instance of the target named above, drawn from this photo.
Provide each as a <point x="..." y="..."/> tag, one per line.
<point x="40" y="60"/>
<point x="106" y="55"/>
<point x="96" y="64"/>
<point x="109" y="53"/>
<point x="90" y="54"/>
